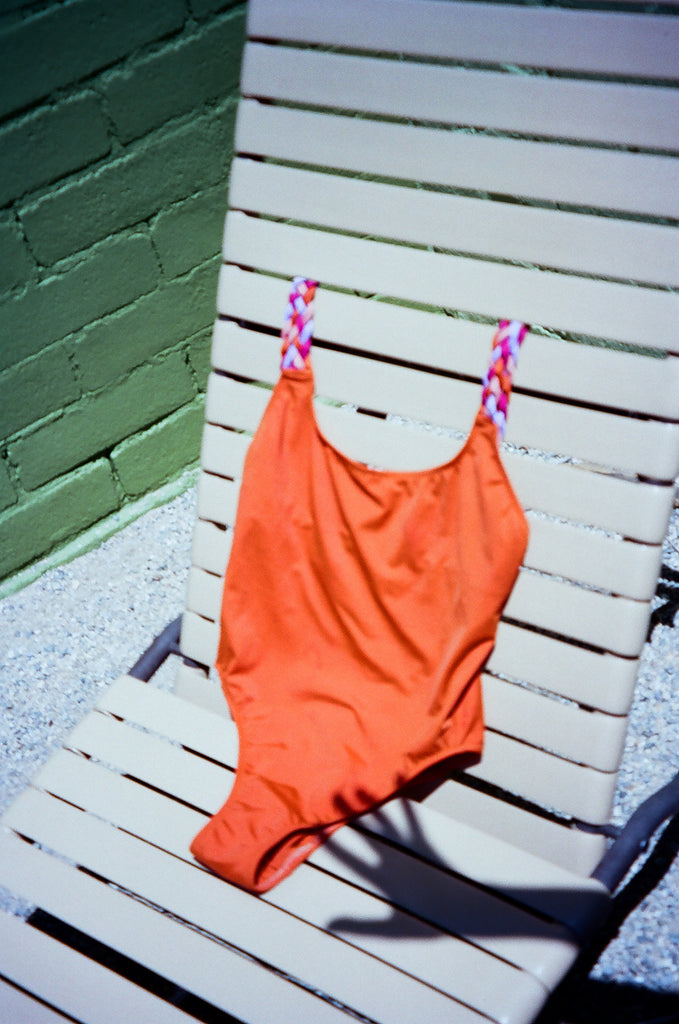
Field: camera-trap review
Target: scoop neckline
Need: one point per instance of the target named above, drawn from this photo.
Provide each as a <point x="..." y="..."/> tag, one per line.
<point x="307" y="375"/>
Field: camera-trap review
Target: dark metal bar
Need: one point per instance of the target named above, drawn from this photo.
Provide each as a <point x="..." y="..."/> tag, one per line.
<point x="154" y="655"/>
<point x="634" y="837"/>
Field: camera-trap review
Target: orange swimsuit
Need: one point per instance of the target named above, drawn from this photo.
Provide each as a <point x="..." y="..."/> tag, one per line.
<point x="359" y="608"/>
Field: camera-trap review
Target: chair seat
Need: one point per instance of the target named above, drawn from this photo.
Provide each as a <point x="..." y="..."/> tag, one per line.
<point x="74" y="984"/>
<point x="406" y="915"/>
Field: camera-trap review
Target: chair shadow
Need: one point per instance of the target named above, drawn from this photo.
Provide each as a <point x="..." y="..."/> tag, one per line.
<point x="580" y="999"/>
<point x="595" y="1001"/>
<point x="668" y="592"/>
<point x="418" y="903"/>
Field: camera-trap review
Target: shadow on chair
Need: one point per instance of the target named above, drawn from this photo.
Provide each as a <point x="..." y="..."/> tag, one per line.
<point x="580" y="999"/>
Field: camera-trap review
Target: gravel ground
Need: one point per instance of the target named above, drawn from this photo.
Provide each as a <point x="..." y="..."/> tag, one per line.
<point x="647" y="949"/>
<point x="71" y="632"/>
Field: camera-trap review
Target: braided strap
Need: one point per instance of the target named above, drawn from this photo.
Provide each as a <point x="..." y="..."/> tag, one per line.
<point x="298" y="325"/>
<point x="497" y="382"/>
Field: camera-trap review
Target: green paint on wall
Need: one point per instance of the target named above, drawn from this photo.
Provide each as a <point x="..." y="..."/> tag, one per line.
<point x="97" y="423"/>
<point x="35" y="388"/>
<point x="159" y="171"/>
<point x="7" y="492"/>
<point x="56" y="512"/>
<point x="153" y="456"/>
<point x="115" y="144"/>
<point x="118" y="271"/>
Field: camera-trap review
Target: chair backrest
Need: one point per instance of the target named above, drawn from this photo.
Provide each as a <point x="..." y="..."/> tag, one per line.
<point x="438" y="166"/>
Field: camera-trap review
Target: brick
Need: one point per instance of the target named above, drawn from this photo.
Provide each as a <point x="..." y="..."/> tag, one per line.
<point x="7" y="493"/>
<point x="49" y="144"/>
<point x="67" y="42"/>
<point x="190" y="232"/>
<point x="184" y="76"/>
<point x="200" y="348"/>
<point x="201" y="8"/>
<point x="100" y="421"/>
<point x="165" y="318"/>
<point x="35" y="388"/>
<point x="160" y="171"/>
<point x="148" y="460"/>
<point x="56" y="512"/>
<point x="112" y="275"/>
<point x="16" y="265"/>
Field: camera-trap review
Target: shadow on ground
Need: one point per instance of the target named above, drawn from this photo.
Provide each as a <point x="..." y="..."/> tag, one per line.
<point x="591" y="1001"/>
<point x="585" y="1000"/>
<point x="668" y="593"/>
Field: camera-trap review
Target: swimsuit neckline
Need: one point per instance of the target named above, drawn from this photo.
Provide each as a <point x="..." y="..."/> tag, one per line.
<point x="306" y="376"/>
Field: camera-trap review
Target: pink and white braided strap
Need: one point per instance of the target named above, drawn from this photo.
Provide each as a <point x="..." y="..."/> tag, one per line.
<point x="497" y="381"/>
<point x="298" y="325"/>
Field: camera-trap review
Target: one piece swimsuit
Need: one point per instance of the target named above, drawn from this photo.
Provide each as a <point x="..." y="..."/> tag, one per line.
<point x="359" y="607"/>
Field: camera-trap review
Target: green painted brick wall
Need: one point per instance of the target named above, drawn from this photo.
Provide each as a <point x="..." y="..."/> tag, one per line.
<point x="92" y="426"/>
<point x="177" y="434"/>
<point x="68" y="136"/>
<point x="112" y="274"/>
<point x="160" y="320"/>
<point x="116" y="132"/>
<point x="47" y="379"/>
<point x="128" y="190"/>
<point x="16" y="266"/>
<point x="54" y="47"/>
<point x="7" y="492"/>
<point x="58" y="511"/>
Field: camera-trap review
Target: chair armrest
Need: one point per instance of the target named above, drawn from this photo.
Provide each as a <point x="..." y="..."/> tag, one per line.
<point x="156" y="653"/>
<point x="634" y="837"/>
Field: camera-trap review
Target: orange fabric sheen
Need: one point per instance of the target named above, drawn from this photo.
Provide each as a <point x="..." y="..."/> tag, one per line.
<point x="359" y="607"/>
